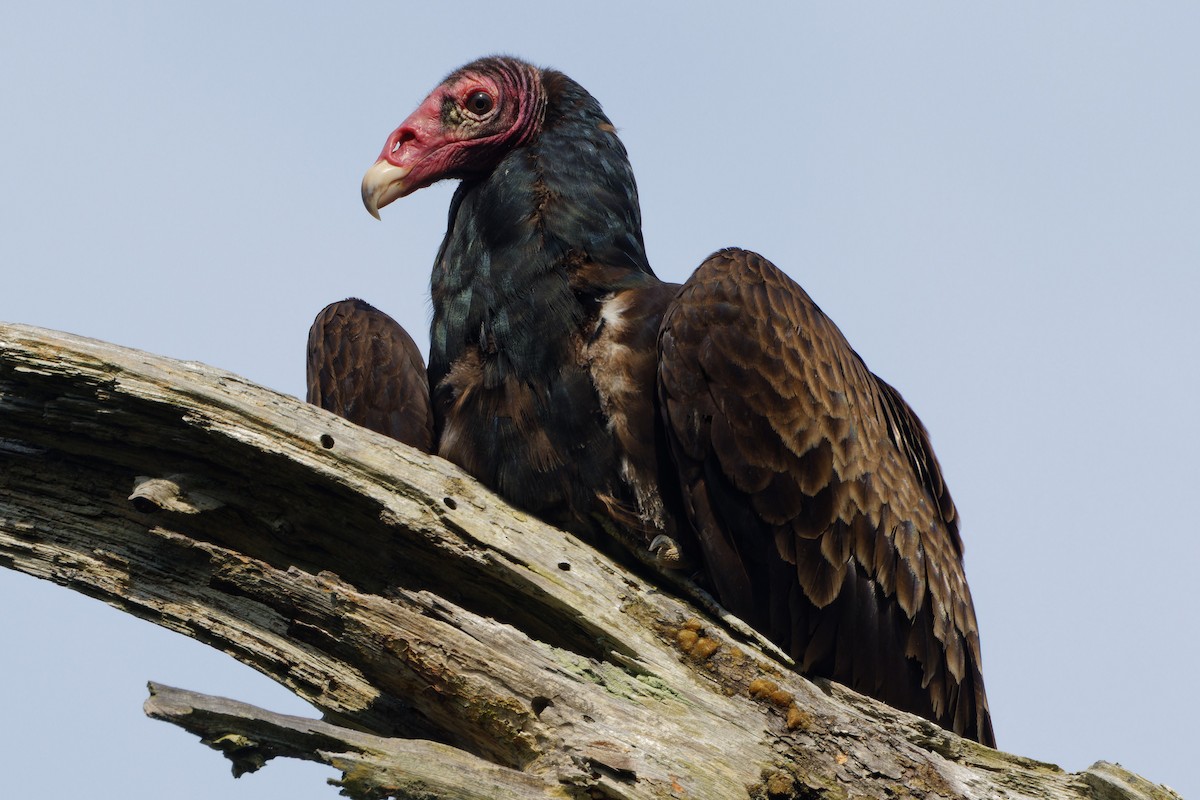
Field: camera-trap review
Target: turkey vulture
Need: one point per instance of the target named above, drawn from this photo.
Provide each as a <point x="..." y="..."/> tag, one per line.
<point x="725" y="424"/>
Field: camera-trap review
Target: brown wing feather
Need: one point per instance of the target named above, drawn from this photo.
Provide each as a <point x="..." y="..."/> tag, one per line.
<point x="362" y="365"/>
<point x="816" y="501"/>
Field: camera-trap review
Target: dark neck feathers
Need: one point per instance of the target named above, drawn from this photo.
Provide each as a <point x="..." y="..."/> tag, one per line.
<point x="507" y="276"/>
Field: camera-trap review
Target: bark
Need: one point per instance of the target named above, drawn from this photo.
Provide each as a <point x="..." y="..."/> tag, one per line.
<point x="456" y="647"/>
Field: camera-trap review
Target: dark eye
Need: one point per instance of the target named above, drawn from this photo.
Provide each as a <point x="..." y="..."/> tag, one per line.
<point x="480" y="103"/>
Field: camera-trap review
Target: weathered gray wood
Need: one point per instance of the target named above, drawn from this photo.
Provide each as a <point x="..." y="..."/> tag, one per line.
<point x="371" y="765"/>
<point x="406" y="602"/>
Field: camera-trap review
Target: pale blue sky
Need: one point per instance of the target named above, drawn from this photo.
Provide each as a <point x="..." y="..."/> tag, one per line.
<point x="998" y="203"/>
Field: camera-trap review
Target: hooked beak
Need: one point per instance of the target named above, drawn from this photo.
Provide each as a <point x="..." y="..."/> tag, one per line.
<point x="383" y="183"/>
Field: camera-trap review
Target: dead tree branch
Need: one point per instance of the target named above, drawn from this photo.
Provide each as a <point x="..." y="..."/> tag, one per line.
<point x="456" y="647"/>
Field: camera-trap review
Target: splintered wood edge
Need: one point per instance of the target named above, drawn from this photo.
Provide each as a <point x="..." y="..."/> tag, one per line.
<point x="250" y="737"/>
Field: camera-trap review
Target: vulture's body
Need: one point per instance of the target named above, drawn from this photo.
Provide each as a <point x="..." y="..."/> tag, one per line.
<point x="728" y="417"/>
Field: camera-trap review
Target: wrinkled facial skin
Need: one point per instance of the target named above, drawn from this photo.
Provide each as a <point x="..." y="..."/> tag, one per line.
<point x="461" y="129"/>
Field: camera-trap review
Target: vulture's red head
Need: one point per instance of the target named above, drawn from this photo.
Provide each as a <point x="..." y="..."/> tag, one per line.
<point x="463" y="128"/>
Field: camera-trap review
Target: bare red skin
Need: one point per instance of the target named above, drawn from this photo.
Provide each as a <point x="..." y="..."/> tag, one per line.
<point x="435" y="143"/>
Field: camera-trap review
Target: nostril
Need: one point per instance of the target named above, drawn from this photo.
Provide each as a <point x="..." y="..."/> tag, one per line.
<point x="403" y="137"/>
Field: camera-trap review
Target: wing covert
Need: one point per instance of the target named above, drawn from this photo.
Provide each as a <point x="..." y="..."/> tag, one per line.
<point x="362" y="365"/>
<point x="817" y="505"/>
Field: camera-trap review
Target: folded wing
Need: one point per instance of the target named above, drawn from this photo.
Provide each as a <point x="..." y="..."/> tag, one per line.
<point x="362" y="365"/>
<point x="817" y="504"/>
